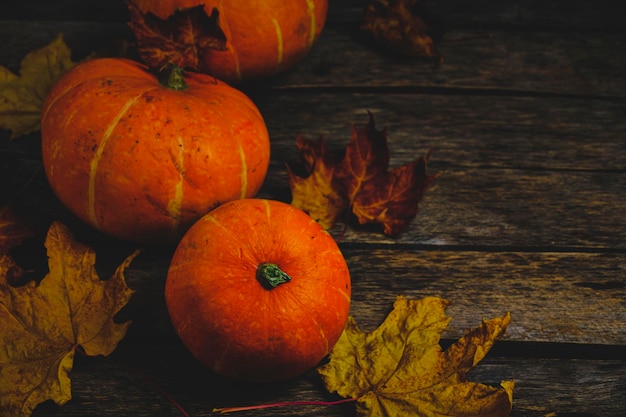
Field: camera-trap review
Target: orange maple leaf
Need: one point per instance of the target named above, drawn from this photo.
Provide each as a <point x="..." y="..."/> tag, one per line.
<point x="181" y="39"/>
<point x="360" y="181"/>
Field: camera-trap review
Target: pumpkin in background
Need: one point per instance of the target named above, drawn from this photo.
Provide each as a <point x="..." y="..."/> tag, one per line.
<point x="258" y="291"/>
<point x="263" y="37"/>
<point x="142" y="161"/>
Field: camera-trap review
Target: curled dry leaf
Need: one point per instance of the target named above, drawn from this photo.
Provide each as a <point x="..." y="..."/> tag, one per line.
<point x="360" y="182"/>
<point x="182" y="39"/>
<point x="400" y="370"/>
<point x="405" y="27"/>
<point x="22" y="97"/>
<point x="43" y="324"/>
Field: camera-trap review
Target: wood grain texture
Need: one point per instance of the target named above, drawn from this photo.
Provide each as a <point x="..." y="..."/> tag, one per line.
<point x="552" y="297"/>
<point x="495" y="60"/>
<point x="477" y="131"/>
<point x="506" y="208"/>
<point x="526" y="119"/>
<point x="499" y="62"/>
<point x="146" y="380"/>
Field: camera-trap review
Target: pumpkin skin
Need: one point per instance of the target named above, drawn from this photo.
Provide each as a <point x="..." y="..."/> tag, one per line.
<point x="142" y="162"/>
<point x="224" y="315"/>
<point x="264" y="37"/>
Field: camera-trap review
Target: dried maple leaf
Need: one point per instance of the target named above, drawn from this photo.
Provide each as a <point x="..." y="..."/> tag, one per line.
<point x="403" y="26"/>
<point x="181" y="39"/>
<point x="22" y="97"/>
<point x="43" y="325"/>
<point x="393" y="199"/>
<point x="315" y="193"/>
<point x="361" y="182"/>
<point x="399" y="369"/>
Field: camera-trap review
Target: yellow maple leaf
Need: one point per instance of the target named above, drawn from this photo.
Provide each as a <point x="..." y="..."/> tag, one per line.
<point x="43" y="325"/>
<point x="22" y="97"/>
<point x="316" y="194"/>
<point x="399" y="369"/>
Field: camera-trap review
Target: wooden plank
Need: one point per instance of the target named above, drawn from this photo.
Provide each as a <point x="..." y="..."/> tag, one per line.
<point x="464" y="131"/>
<point x="565" y="297"/>
<point x="559" y="14"/>
<point x="510" y="208"/>
<point x="514" y="171"/>
<point x="517" y="61"/>
<point x="537" y="63"/>
<point x="552" y="297"/>
<point x="138" y="381"/>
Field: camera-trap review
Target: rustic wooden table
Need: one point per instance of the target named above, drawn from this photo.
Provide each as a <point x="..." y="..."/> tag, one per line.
<point x="526" y="117"/>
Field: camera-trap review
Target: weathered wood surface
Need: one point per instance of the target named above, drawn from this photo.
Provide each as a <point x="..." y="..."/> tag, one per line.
<point x="526" y="117"/>
<point x="539" y="63"/>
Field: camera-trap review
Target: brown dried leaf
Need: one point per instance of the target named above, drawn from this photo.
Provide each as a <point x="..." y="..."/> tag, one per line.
<point x="403" y="26"/>
<point x="360" y="182"/>
<point x="43" y="324"/>
<point x="392" y="199"/>
<point x="366" y="159"/>
<point x="181" y="39"/>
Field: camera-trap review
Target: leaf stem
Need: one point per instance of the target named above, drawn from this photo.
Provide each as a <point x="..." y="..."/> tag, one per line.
<point x="225" y="410"/>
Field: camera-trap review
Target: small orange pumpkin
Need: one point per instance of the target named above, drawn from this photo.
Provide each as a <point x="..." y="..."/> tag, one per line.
<point x="264" y="37"/>
<point x="258" y="291"/>
<point x="142" y="161"/>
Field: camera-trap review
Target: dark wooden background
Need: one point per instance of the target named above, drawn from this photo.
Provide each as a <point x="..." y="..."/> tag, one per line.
<point x="526" y="117"/>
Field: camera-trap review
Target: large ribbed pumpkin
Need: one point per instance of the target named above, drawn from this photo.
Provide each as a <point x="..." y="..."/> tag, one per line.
<point x="140" y="160"/>
<point x="264" y="37"/>
<point x="258" y="291"/>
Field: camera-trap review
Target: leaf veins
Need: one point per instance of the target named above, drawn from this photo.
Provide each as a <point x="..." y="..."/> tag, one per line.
<point x="181" y="39"/>
<point x="43" y="324"/>
<point x="400" y="369"/>
<point x="360" y="182"/>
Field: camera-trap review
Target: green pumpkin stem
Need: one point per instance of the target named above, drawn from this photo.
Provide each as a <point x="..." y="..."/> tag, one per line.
<point x="271" y="276"/>
<point x="174" y="78"/>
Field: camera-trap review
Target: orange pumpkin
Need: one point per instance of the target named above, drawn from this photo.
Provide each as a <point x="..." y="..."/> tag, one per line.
<point x="142" y="161"/>
<point x="264" y="37"/>
<point x="258" y="291"/>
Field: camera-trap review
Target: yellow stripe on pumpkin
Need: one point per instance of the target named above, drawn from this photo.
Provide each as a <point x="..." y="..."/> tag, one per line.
<point x="93" y="166"/>
<point x="175" y="204"/>
<point x="244" y="173"/>
<point x="311" y="11"/>
<point x="279" y="41"/>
